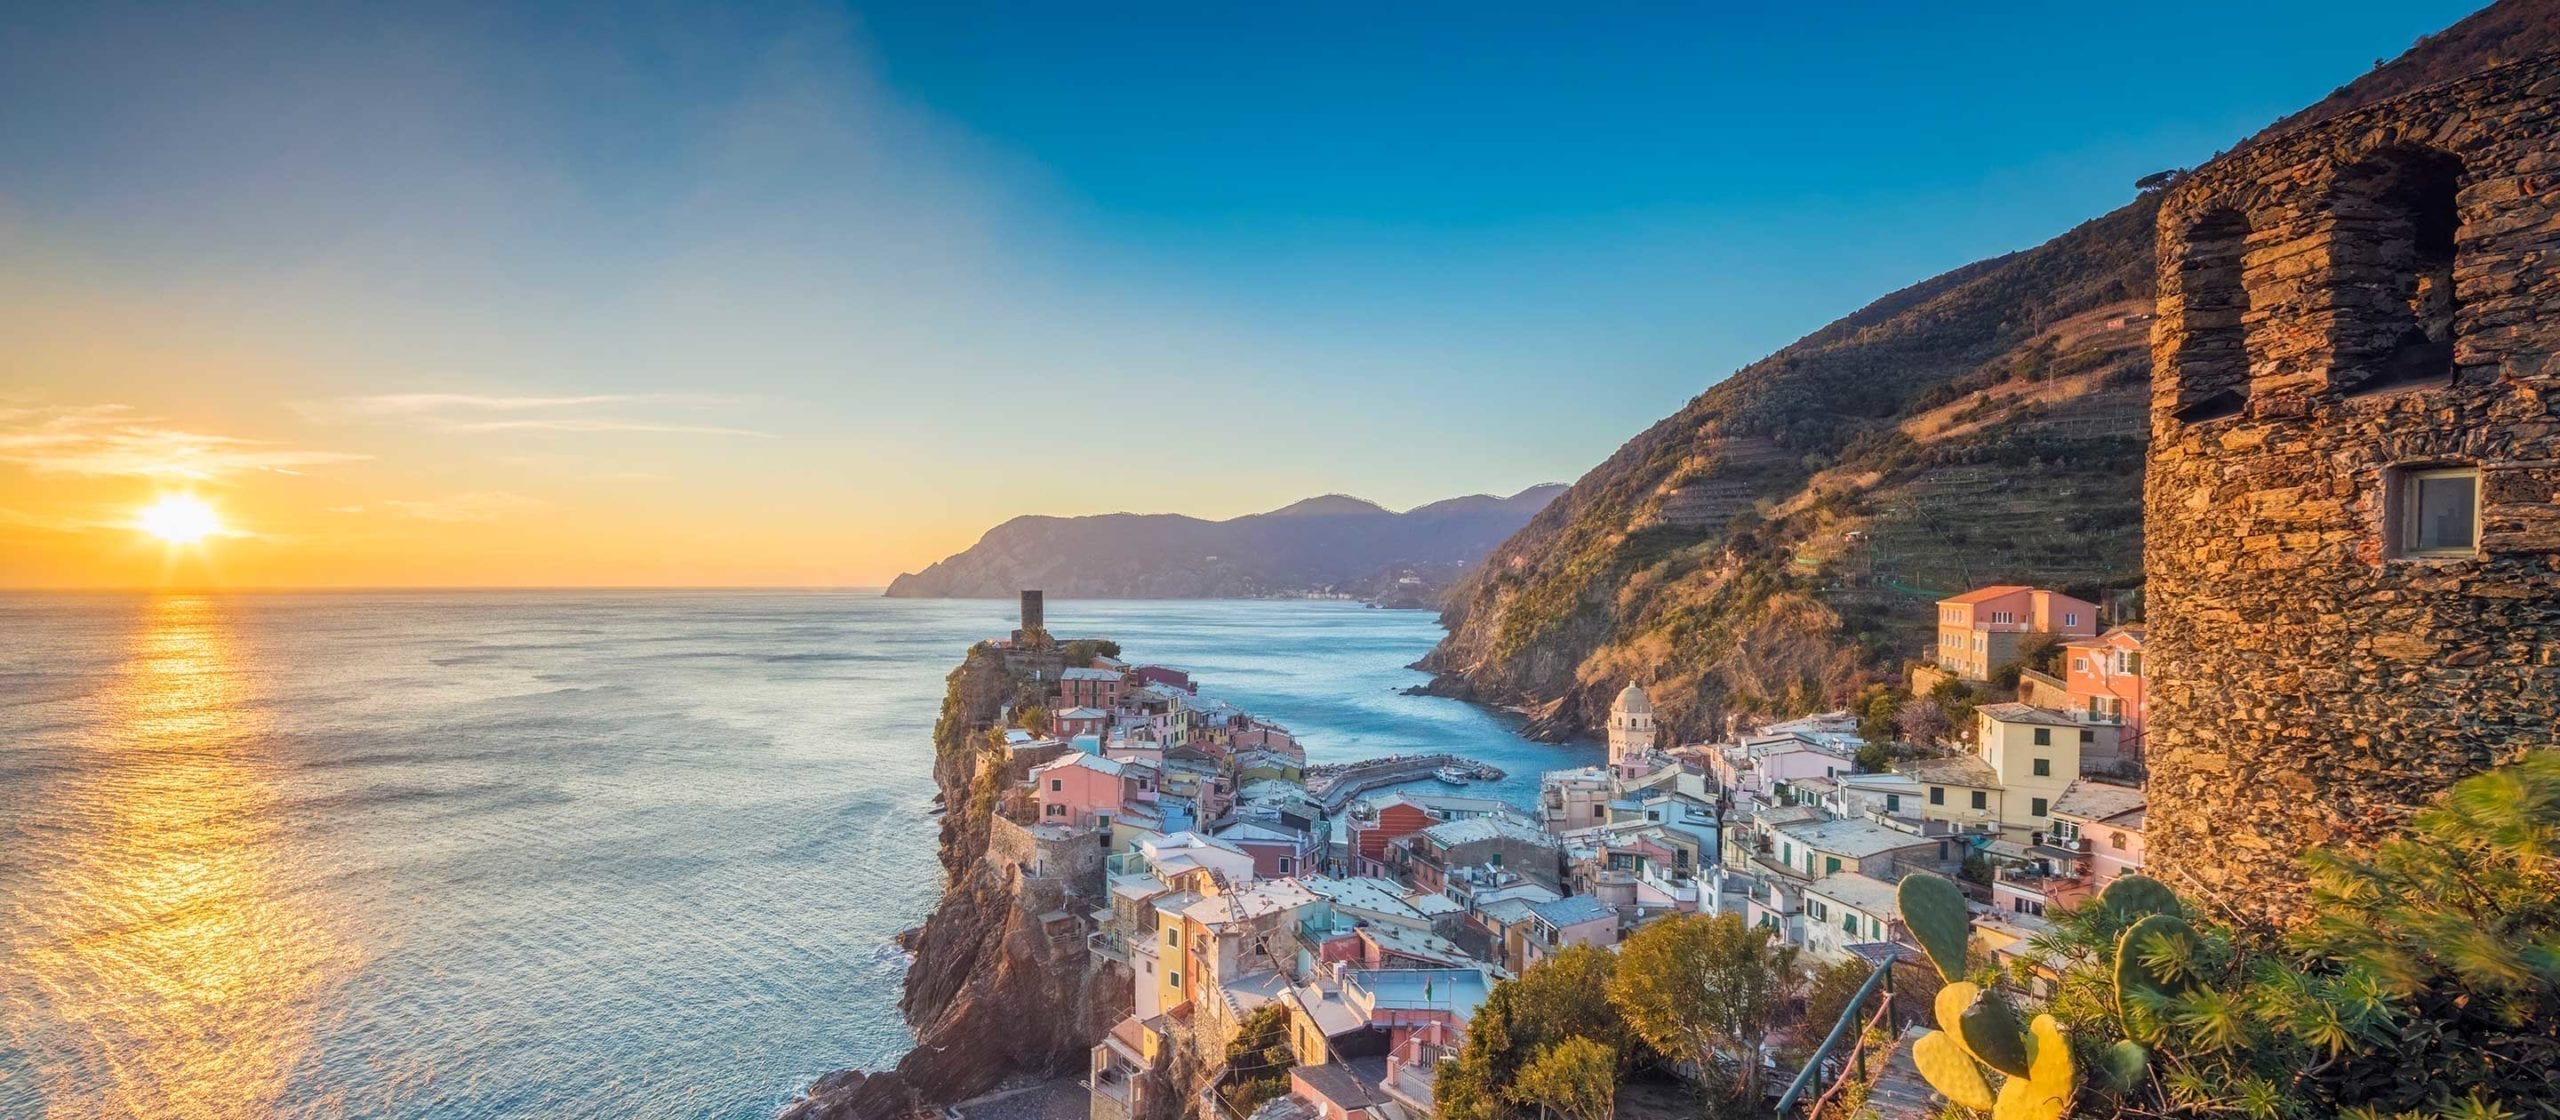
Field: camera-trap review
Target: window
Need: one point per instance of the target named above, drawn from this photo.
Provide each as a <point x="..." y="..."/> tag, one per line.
<point x="2027" y="906"/>
<point x="1981" y="800"/>
<point x="1815" y="907"/>
<point x="2079" y="664"/>
<point x="1893" y="803"/>
<point x="2435" y="511"/>
<point x="2044" y="768"/>
<point x="2115" y="840"/>
<point x="1284" y="865"/>
<point x="1937" y="795"/>
<point x="1172" y="939"/>
<point x="1055" y="785"/>
<point x="2044" y="736"/>
<point x="2392" y="261"/>
<point x="1173" y="978"/>
<point x="2130" y="662"/>
<point x="1830" y="865"/>
<point x="2211" y="355"/>
<point x="2035" y="807"/>
<point x="1057" y="811"/>
<point x="1849" y="925"/>
<point x="2071" y="618"/>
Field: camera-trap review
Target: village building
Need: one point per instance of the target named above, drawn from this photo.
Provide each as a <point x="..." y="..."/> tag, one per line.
<point x="1089" y="688"/>
<point x="1847" y="910"/>
<point x="1982" y="630"/>
<point x="2103" y="684"/>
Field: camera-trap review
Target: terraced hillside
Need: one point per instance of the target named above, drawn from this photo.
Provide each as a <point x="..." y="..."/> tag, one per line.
<point x="1771" y="547"/>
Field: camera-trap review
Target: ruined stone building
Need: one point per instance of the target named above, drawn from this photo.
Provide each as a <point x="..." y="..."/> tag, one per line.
<point x="2353" y="498"/>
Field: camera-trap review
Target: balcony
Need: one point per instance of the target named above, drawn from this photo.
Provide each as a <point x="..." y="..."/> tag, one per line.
<point x="1107" y="945"/>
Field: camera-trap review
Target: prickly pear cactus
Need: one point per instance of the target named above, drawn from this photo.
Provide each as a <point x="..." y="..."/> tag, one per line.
<point x="1978" y="1030"/>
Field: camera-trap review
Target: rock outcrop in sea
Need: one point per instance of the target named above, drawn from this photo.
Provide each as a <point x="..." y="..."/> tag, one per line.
<point x="993" y="993"/>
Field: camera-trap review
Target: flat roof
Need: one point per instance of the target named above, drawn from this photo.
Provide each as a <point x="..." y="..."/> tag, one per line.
<point x="2014" y="712"/>
<point x="1857" y="838"/>
<point x="1856" y="891"/>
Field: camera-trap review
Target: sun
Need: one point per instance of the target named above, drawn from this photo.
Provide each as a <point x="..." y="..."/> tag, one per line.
<point x="179" y="519"/>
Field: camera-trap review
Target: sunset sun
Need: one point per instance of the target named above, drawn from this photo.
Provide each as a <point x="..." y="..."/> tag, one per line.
<point x="179" y="519"/>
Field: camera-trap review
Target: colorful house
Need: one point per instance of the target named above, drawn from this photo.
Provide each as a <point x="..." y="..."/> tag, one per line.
<point x="1089" y="688"/>
<point x="1981" y="630"/>
<point x="2103" y="683"/>
<point x="1084" y="790"/>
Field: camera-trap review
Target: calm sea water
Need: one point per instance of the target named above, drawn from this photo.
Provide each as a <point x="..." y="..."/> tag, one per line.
<point x="507" y="854"/>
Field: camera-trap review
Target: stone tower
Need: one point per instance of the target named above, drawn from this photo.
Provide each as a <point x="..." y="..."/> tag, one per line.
<point x="1034" y="629"/>
<point x="2353" y="498"/>
<point x="1631" y="733"/>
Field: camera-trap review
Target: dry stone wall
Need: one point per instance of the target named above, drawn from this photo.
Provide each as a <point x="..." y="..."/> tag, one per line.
<point x="2341" y="309"/>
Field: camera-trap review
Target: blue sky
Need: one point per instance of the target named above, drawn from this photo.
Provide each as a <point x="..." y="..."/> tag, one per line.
<point x="805" y="264"/>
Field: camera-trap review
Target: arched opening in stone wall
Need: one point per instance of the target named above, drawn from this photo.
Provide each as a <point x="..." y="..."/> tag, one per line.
<point x="2394" y="227"/>
<point x="2212" y="358"/>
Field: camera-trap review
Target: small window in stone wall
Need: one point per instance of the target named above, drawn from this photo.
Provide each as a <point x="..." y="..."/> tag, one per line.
<point x="2394" y="243"/>
<point x="2212" y="354"/>
<point x="2434" y="511"/>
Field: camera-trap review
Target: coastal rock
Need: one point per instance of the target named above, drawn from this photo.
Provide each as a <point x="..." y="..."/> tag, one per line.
<point x="993" y="950"/>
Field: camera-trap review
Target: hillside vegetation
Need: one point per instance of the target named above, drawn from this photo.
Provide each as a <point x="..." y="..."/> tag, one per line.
<point x="1771" y="546"/>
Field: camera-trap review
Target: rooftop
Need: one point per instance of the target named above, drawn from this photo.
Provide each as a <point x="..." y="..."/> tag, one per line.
<point x="1088" y="675"/>
<point x="2089" y="800"/>
<point x="2014" y="712"/>
<point x="1093" y="762"/>
<point x="1858" y="892"/>
<point x="1572" y="911"/>
<point x="1855" y="838"/>
<point x="1958" y="770"/>
<point x="1258" y="899"/>
<point x="1478" y="829"/>
<point x="1986" y="594"/>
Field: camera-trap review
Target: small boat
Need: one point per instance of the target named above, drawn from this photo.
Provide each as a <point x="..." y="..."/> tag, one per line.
<point x="1452" y="775"/>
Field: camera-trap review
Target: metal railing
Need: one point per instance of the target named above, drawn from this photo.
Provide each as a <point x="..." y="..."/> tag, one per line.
<point x="1881" y="977"/>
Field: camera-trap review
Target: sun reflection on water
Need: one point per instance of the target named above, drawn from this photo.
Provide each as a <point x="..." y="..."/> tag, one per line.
<point x="167" y="968"/>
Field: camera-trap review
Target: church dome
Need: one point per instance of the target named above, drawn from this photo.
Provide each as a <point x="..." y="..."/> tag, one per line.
<point x="1632" y="701"/>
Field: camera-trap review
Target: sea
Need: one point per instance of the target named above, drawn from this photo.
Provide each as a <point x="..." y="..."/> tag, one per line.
<point x="534" y="853"/>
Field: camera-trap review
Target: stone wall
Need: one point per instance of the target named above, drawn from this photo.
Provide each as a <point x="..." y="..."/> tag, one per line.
<point x="2338" y="307"/>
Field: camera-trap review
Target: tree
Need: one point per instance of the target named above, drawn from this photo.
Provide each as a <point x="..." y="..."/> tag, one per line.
<point x="1924" y="721"/>
<point x="1035" y="720"/>
<point x="1576" y="1079"/>
<point x="1258" y="1060"/>
<point x="1876" y="711"/>
<point x="1707" y="990"/>
<point x="1565" y="996"/>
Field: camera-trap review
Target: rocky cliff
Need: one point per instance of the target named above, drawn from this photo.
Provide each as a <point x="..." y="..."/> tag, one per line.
<point x="1331" y="544"/>
<point x="994" y="990"/>
<point x="1770" y="547"/>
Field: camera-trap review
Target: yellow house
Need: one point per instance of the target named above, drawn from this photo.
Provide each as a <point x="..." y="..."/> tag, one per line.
<point x="2023" y="757"/>
<point x="2035" y="754"/>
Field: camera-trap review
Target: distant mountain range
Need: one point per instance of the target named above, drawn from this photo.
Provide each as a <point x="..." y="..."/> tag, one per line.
<point x="1333" y="544"/>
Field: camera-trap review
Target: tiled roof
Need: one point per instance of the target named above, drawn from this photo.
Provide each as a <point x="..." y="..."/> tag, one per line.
<point x="1475" y="829"/>
<point x="1986" y="594"/>
<point x="1961" y="770"/>
<point x="1855" y="838"/>
<point x="1572" y="911"/>
<point x="1860" y="892"/>
<point x="2014" y="712"/>
<point x="2096" y="801"/>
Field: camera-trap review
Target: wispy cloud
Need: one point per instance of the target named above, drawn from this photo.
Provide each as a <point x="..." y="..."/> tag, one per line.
<point x="401" y="404"/>
<point x="113" y="440"/>
<point x="470" y="412"/>
<point x="486" y="505"/>
<point x="574" y="424"/>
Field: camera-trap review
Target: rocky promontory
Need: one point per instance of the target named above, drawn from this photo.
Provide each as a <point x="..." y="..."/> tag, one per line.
<point x="996" y="989"/>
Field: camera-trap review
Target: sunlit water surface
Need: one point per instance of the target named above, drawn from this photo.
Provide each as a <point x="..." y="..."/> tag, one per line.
<point x="508" y="854"/>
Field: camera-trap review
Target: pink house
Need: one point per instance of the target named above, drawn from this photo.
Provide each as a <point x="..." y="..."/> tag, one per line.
<point x="1170" y="678"/>
<point x="1082" y="790"/>
<point x="1981" y="630"/>
<point x="2104" y="683"/>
